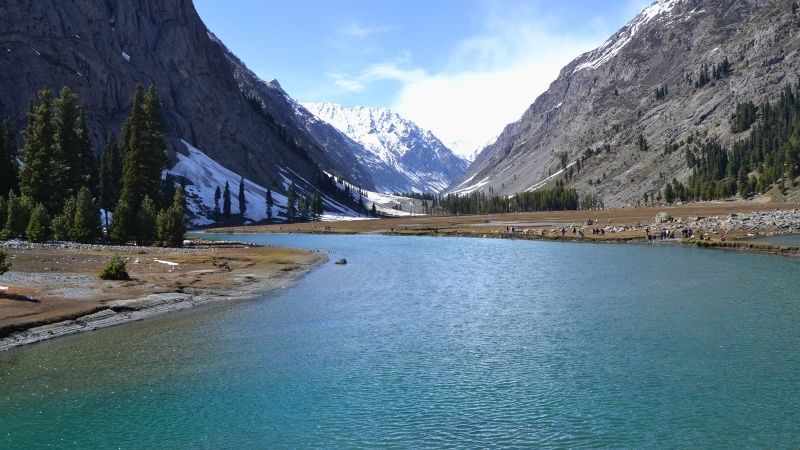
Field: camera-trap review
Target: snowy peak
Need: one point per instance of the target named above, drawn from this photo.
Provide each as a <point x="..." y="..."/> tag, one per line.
<point x="623" y="37"/>
<point x="423" y="162"/>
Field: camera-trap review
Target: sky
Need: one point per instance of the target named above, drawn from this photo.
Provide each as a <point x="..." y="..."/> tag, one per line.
<point x="463" y="69"/>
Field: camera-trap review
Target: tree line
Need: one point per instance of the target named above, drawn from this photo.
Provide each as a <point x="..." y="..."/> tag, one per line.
<point x="752" y="165"/>
<point x="56" y="189"/>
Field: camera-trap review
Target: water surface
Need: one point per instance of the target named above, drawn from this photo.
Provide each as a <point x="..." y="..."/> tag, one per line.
<point x="435" y="342"/>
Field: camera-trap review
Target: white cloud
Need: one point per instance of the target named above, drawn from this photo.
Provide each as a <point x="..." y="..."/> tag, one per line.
<point x="490" y="78"/>
<point x="360" y="31"/>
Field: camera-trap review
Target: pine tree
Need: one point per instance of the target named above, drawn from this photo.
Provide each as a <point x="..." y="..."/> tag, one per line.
<point x="39" y="224"/>
<point x="146" y="233"/>
<point x="669" y="193"/>
<point x="5" y="266"/>
<point x="242" y="199"/>
<point x="65" y="154"/>
<point x="145" y="151"/>
<point x="171" y="222"/>
<point x="18" y="215"/>
<point x="86" y="225"/>
<point x="110" y="176"/>
<point x="270" y="203"/>
<point x="316" y="206"/>
<point x="122" y="222"/>
<point x="226" y="202"/>
<point x="291" y="207"/>
<point x="87" y="166"/>
<point x="40" y="175"/>
<point x="374" y="210"/>
<point x="217" y="197"/>
<point x="62" y="223"/>
<point x="9" y="170"/>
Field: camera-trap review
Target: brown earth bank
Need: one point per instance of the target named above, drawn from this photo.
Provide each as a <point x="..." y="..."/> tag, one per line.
<point x="714" y="224"/>
<point x="54" y="289"/>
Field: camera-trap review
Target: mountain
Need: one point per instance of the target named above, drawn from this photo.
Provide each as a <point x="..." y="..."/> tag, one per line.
<point x="590" y="120"/>
<point x="403" y="156"/>
<point x="211" y="102"/>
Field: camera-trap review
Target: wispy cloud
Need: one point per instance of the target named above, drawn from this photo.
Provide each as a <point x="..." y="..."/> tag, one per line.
<point x="357" y="30"/>
<point x="490" y="78"/>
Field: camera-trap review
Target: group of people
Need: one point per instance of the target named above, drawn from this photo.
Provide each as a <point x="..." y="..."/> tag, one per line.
<point x="663" y="234"/>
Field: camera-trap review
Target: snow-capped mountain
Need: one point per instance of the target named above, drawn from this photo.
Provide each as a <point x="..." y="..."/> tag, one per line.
<point x="605" y="100"/>
<point x="406" y="157"/>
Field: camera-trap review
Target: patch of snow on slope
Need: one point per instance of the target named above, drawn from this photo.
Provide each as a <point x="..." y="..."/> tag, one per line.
<point x="612" y="47"/>
<point x="550" y="178"/>
<point x="126" y="56"/>
<point x="206" y="175"/>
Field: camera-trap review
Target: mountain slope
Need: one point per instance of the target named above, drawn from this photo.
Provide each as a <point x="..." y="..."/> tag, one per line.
<point x="407" y="157"/>
<point x="210" y="100"/>
<point x="605" y="100"/>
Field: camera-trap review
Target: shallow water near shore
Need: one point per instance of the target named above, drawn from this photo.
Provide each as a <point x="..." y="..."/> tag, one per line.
<point x="438" y="342"/>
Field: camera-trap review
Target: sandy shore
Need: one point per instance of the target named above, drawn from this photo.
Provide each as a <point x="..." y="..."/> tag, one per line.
<point x="53" y="290"/>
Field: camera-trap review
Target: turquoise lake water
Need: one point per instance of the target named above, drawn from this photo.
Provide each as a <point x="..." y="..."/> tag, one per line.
<point x="436" y="342"/>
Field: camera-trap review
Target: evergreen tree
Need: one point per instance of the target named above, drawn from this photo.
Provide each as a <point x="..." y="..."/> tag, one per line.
<point x="317" y="208"/>
<point x="171" y="223"/>
<point x="291" y="207"/>
<point x="122" y="222"/>
<point x="38" y="225"/>
<point x="669" y="193"/>
<point x="86" y="225"/>
<point x="65" y="154"/>
<point x="9" y="170"/>
<point x="146" y="234"/>
<point x="270" y="203"/>
<point x="18" y="215"/>
<point x="374" y="210"/>
<point x="242" y="199"/>
<point x="226" y="202"/>
<point x="41" y="175"/>
<point x="145" y="151"/>
<point x="62" y="223"/>
<point x="3" y="215"/>
<point x="87" y="167"/>
<point x="5" y="266"/>
<point x="217" y="197"/>
<point x="110" y="176"/>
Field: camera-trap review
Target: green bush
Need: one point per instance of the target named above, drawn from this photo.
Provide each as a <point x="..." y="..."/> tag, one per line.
<point x="115" y="270"/>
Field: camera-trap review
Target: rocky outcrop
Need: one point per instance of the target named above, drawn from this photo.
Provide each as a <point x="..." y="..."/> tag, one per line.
<point x="605" y="99"/>
<point x="102" y="49"/>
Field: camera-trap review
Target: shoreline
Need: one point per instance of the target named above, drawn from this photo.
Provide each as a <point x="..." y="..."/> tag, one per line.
<point x="729" y="230"/>
<point x="246" y="283"/>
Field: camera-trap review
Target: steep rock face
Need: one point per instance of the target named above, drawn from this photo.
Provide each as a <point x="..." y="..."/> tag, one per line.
<point x="102" y="49"/>
<point x="606" y="99"/>
<point x="407" y="157"/>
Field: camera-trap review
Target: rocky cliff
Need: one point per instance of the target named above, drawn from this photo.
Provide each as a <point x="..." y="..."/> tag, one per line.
<point x="606" y="99"/>
<point x="103" y="48"/>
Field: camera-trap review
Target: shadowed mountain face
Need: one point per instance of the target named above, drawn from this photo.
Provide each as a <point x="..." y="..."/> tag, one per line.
<point x="102" y="49"/>
<point x="606" y="99"/>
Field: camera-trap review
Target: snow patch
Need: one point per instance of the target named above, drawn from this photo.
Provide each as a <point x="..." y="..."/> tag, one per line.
<point x="126" y="56"/>
<point x="613" y="46"/>
<point x="169" y="263"/>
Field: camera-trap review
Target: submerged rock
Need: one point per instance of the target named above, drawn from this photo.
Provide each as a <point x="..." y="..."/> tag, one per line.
<point x="341" y="262"/>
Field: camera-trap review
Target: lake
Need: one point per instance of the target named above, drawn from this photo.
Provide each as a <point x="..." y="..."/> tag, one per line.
<point x="440" y="342"/>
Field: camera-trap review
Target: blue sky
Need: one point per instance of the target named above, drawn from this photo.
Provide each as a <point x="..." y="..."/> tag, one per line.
<point x="462" y="68"/>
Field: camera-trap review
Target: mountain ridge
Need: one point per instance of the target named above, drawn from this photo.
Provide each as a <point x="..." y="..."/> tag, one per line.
<point x="605" y="99"/>
<point x="421" y="161"/>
